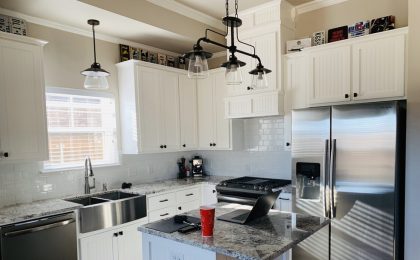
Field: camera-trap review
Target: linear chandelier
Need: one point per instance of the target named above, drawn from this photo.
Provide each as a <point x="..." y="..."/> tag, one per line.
<point x="198" y="65"/>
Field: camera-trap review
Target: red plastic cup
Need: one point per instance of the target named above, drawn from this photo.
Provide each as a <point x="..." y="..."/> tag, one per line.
<point x="207" y="221"/>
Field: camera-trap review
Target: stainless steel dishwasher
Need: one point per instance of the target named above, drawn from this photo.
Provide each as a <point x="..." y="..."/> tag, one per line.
<point x="47" y="238"/>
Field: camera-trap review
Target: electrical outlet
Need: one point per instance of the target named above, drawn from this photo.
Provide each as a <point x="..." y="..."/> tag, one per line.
<point x="176" y="256"/>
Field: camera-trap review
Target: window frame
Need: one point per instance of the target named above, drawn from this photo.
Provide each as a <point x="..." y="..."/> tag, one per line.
<point x="46" y="168"/>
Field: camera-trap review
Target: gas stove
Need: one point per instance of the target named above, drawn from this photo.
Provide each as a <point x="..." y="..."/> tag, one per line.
<point x="245" y="190"/>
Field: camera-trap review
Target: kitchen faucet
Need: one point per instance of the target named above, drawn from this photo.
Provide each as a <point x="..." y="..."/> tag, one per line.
<point x="88" y="174"/>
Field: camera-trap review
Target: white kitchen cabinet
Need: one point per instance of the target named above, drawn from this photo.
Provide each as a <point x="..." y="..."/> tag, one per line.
<point x="214" y="130"/>
<point x="119" y="243"/>
<point x="208" y="194"/>
<point x="150" y="108"/>
<point x="23" y="128"/>
<point x="258" y="104"/>
<point x="379" y="68"/>
<point x="330" y="75"/>
<point x="188" y="112"/>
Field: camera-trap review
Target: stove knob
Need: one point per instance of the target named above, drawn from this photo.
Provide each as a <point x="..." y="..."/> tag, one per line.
<point x="267" y="188"/>
<point x="261" y="187"/>
<point x="255" y="187"/>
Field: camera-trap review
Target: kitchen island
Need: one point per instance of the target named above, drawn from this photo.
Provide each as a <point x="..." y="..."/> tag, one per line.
<point x="266" y="238"/>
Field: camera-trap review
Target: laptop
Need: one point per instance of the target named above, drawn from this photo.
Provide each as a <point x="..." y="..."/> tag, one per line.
<point x="261" y="207"/>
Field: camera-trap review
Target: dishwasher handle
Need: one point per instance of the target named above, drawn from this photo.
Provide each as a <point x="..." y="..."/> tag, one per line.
<point x="39" y="228"/>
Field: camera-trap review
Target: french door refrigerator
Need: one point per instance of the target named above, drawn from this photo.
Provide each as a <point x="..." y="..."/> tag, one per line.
<point x="349" y="165"/>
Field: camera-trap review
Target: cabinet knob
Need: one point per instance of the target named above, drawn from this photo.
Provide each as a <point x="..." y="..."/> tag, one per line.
<point x="214" y="144"/>
<point x="249" y="88"/>
<point x="355" y="94"/>
<point x="161" y="147"/>
<point x="184" y="145"/>
<point x="5" y="155"/>
<point x="346" y="95"/>
<point x="115" y="234"/>
<point x="287" y="144"/>
<point x="120" y="233"/>
<point x="179" y="208"/>
<point x="211" y="144"/>
<point x="164" y="146"/>
<point x="214" y="191"/>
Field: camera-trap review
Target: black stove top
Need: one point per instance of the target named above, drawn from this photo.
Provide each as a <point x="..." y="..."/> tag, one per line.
<point x="252" y="184"/>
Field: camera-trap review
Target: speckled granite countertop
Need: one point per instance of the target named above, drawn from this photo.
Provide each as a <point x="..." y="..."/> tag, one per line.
<point x="22" y="212"/>
<point x="263" y="239"/>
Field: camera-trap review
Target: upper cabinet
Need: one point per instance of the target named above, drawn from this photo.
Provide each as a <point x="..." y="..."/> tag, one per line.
<point x="265" y="28"/>
<point x="23" y="128"/>
<point x="162" y="110"/>
<point x="214" y="129"/>
<point x="368" y="68"/>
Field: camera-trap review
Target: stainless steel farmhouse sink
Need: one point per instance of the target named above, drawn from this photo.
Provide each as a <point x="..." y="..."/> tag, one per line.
<point x="109" y="209"/>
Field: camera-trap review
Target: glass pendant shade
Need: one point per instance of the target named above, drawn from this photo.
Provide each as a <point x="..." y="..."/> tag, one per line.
<point x="198" y="67"/>
<point x="233" y="75"/>
<point x="95" y="82"/>
<point x="259" y="81"/>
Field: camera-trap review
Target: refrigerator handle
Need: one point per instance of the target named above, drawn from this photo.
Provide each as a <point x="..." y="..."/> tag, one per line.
<point x="332" y="178"/>
<point x="326" y="177"/>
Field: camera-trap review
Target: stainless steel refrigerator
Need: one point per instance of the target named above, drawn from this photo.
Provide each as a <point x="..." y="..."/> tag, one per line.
<point x="349" y="165"/>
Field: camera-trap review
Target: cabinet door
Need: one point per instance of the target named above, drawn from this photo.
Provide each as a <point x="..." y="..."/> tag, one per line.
<point x="102" y="246"/>
<point x="169" y="113"/>
<point x="208" y="194"/>
<point x="23" y="132"/>
<point x="130" y="243"/>
<point x="206" y="119"/>
<point x="149" y="104"/>
<point x="188" y="112"/>
<point x="266" y="49"/>
<point x="329" y="76"/>
<point x="222" y="125"/>
<point x="297" y="70"/>
<point x="379" y="68"/>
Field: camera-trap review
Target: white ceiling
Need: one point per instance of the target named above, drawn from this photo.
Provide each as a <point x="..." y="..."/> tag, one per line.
<point x="217" y="8"/>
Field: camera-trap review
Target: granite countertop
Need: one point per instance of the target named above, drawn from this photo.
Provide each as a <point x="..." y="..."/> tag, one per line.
<point x="262" y="239"/>
<point x="22" y="212"/>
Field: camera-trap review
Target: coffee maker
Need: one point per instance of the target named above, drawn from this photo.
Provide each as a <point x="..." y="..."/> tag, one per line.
<point x="197" y="166"/>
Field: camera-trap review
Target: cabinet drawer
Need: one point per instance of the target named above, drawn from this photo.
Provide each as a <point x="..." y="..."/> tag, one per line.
<point x="188" y="206"/>
<point x="188" y="195"/>
<point x="161" y="201"/>
<point x="161" y="214"/>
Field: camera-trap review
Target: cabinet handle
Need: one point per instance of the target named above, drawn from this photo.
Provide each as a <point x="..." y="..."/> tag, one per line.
<point x="355" y="94"/>
<point x="164" y="146"/>
<point x="189" y="194"/>
<point x="346" y="95"/>
<point x="165" y="200"/>
<point x="166" y="214"/>
<point x="179" y="208"/>
<point x="161" y="147"/>
<point x="120" y="233"/>
<point x="184" y="145"/>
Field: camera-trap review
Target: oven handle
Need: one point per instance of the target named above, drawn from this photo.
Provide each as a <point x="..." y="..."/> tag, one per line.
<point x="39" y="228"/>
<point x="236" y="199"/>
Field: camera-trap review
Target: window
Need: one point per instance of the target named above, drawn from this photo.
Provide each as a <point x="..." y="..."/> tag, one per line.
<point x="80" y="123"/>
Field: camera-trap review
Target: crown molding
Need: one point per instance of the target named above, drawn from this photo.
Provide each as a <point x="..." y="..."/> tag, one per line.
<point x="87" y="33"/>
<point x="315" y="5"/>
<point x="189" y="12"/>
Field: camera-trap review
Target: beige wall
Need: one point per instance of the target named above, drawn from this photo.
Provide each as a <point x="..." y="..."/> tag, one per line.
<point x="412" y="248"/>
<point x="67" y="54"/>
<point x="350" y="12"/>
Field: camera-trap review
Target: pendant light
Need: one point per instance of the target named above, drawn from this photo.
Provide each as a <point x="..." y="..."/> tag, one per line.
<point x="198" y="66"/>
<point x="95" y="76"/>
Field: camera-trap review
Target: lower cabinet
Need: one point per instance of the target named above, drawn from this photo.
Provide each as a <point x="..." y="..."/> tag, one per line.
<point x="120" y="243"/>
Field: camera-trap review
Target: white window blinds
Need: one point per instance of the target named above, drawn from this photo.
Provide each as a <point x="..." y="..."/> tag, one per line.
<point x="80" y="126"/>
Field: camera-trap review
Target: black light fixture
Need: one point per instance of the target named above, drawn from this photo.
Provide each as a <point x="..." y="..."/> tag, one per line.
<point x="95" y="76"/>
<point x="198" y="66"/>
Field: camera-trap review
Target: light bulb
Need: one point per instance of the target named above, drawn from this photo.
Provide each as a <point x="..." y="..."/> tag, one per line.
<point x="233" y="75"/>
<point x="259" y="81"/>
